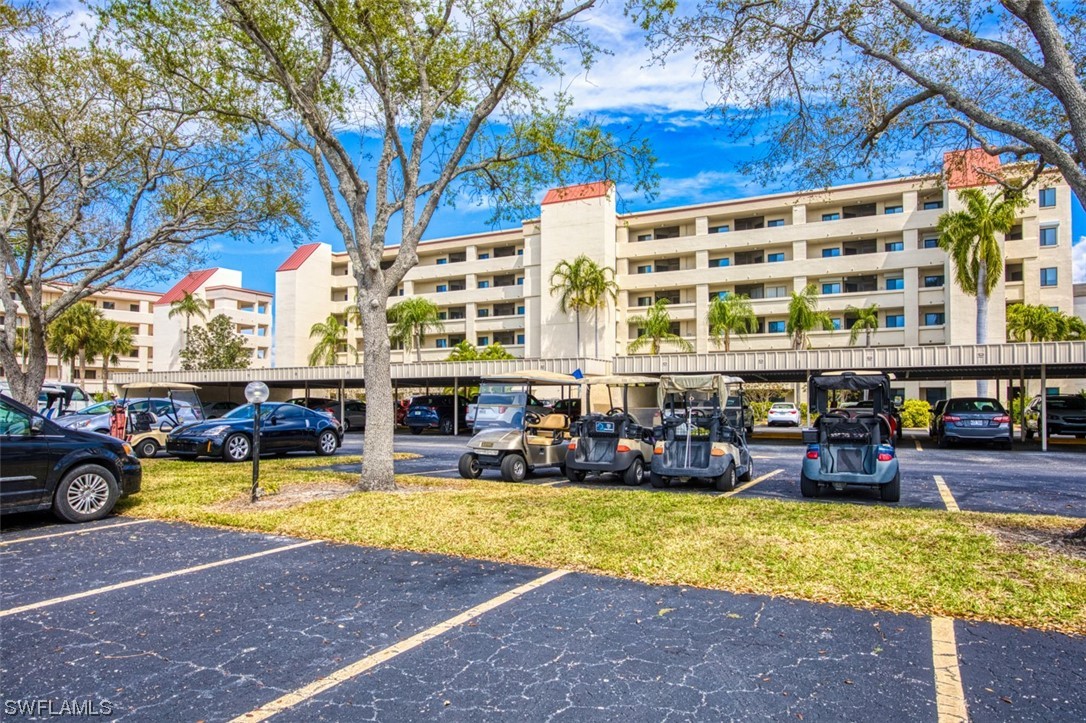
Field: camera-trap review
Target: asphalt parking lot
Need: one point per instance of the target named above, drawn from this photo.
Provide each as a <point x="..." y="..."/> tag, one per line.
<point x="164" y="621"/>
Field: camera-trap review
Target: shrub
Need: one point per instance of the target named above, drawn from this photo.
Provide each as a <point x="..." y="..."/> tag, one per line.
<point x="915" y="413"/>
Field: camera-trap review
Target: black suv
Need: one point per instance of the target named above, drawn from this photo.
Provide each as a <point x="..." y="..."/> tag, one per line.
<point x="435" y="411"/>
<point x="78" y="475"/>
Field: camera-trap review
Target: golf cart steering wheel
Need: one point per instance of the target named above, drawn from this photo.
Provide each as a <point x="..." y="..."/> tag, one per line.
<point x="532" y="418"/>
<point x="615" y="410"/>
<point x="698" y="413"/>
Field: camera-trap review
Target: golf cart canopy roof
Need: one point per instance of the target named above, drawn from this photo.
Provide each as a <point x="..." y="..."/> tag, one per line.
<point x="710" y="383"/>
<point x="620" y="380"/>
<point x="532" y="376"/>
<point x="178" y="386"/>
<point x="858" y="381"/>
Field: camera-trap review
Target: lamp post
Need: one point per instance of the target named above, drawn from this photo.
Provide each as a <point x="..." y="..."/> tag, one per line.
<point x="256" y="393"/>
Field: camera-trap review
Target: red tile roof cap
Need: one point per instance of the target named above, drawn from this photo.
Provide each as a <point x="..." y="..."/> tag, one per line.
<point x="192" y="281"/>
<point x="578" y="193"/>
<point x="972" y="167"/>
<point x="296" y="259"/>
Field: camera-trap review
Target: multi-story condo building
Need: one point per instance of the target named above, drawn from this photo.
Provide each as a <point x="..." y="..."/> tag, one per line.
<point x="860" y="244"/>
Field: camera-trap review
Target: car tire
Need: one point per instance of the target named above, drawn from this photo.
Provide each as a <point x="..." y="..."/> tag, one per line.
<point x="726" y="481"/>
<point x="635" y="473"/>
<point x="514" y="468"/>
<point x="943" y="442"/>
<point x="237" y="448"/>
<point x="445" y="426"/>
<point x="746" y="476"/>
<point x="327" y="443"/>
<point x="87" y="492"/>
<point x="415" y="430"/>
<point x="750" y="432"/>
<point x="891" y="491"/>
<point x="146" y="449"/>
<point x="807" y="486"/>
<point x="575" y="475"/>
<point x="1007" y="444"/>
<point x="658" y="481"/>
<point x="469" y="466"/>
<point x="346" y="425"/>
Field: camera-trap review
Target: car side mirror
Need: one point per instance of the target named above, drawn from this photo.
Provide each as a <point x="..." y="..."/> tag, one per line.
<point x="273" y="420"/>
<point x="37" y="424"/>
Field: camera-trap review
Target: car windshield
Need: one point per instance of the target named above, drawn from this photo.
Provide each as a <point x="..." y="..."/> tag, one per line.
<point x="1076" y="403"/>
<point x="245" y="411"/>
<point x="501" y="406"/>
<point x="99" y="408"/>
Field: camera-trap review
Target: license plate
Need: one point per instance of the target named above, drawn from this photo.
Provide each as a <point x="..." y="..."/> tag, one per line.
<point x="488" y="452"/>
<point x="977" y="422"/>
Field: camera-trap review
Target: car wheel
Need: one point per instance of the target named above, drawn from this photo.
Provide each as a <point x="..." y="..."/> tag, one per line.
<point x="327" y="443"/>
<point x="750" y="432"/>
<point x="1007" y="444"/>
<point x="943" y="442"/>
<point x="726" y="481"/>
<point x="446" y="426"/>
<point x="891" y="491"/>
<point x="86" y="493"/>
<point x="415" y="430"/>
<point x="807" y="486"/>
<point x="469" y="466"/>
<point x="635" y="473"/>
<point x="147" y="448"/>
<point x="659" y="482"/>
<point x="346" y="425"/>
<point x="236" y="448"/>
<point x="514" y="468"/>
<point x="575" y="475"/>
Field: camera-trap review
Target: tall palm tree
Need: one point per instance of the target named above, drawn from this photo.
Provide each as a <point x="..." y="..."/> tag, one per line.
<point x="330" y="335"/>
<point x="189" y="306"/>
<point x="113" y="339"/>
<point x="600" y="290"/>
<point x="969" y="238"/>
<point x="1036" y="322"/>
<point x="582" y="284"/>
<point x="731" y="315"/>
<point x="411" y="320"/>
<point x="804" y="317"/>
<point x="657" y="330"/>
<point x="71" y="336"/>
<point x="867" y="321"/>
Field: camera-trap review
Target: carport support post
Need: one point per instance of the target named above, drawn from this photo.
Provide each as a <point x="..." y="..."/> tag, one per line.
<point x="342" y="403"/>
<point x="456" y="407"/>
<point x="1022" y="403"/>
<point x="1042" y="427"/>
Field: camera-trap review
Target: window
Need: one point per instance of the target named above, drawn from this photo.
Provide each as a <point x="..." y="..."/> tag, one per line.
<point x="108" y="305"/>
<point x="644" y="269"/>
<point x="892" y="209"/>
<point x="13" y="422"/>
<point x="895" y="321"/>
<point x="1049" y="277"/>
<point x="1046" y="197"/>
<point x="503" y="251"/>
<point x="442" y="262"/>
<point x="831" y="288"/>
<point x="672" y="296"/>
<point x="505" y="280"/>
<point x="719" y="263"/>
<point x="442" y="288"/>
<point x="483" y="341"/>
<point x="742" y="258"/>
<point x="931" y="243"/>
<point x="934" y="318"/>
<point x="458" y="257"/>
<point x="260" y="353"/>
<point x="482" y="312"/>
<point x="933" y="205"/>
<point x="1049" y="235"/>
<point x="776" y="292"/>
<point x="504" y="309"/>
<point x="520" y="281"/>
<point x="836" y="321"/>
<point x="856" y="284"/>
<point x="442" y="316"/>
<point x="520" y="252"/>
<point x="828" y="253"/>
<point x="864" y="246"/>
<point x="133" y="307"/>
<point x="520" y="311"/>
<point x="934" y="281"/>
<point x="859" y="210"/>
<point x="663" y="265"/>
<point x="644" y="301"/>
<point x="895" y="284"/>
<point x="775" y="327"/>
<point x="457" y="312"/>
<point x="1013" y="272"/>
<point x="719" y="229"/>
<point x="831" y="217"/>
<point x="775" y="222"/>
<point x="442" y="343"/>
<point x="895" y="246"/>
<point x="644" y="237"/>
<point x="746" y="224"/>
<point x="520" y="339"/>
<point x="666" y="232"/>
<point x="484" y="256"/>
<point x="775" y="258"/>
<point x="1015" y="234"/>
<point x="484" y="285"/>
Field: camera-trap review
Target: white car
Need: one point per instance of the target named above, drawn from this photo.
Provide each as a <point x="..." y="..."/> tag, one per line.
<point x="784" y="413"/>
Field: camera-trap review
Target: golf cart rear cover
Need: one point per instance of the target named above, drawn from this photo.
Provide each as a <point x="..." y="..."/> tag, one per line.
<point x="532" y="376"/>
<point x="711" y="383"/>
<point x="179" y="386"/>
<point x="620" y="380"/>
<point x="852" y="381"/>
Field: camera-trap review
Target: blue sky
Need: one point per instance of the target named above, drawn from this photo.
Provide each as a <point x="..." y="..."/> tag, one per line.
<point x="698" y="160"/>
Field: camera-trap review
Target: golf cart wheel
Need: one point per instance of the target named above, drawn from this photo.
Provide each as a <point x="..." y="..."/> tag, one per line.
<point x="446" y="426"/>
<point x="807" y="486"/>
<point x="635" y="473"/>
<point x="726" y="481"/>
<point x="236" y="448"/>
<point x="657" y="481"/>
<point x="147" y="448"/>
<point x="1029" y="434"/>
<point x="575" y="475"/>
<point x="891" y="491"/>
<point x="514" y="468"/>
<point x="746" y="476"/>
<point x="469" y="466"/>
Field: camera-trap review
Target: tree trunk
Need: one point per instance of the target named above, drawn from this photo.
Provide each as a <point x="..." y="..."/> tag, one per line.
<point x="982" y="324"/>
<point x="596" y="331"/>
<point x="418" y="347"/>
<point x="82" y="368"/>
<point x="578" y="312"/>
<point x="26" y="380"/>
<point x="727" y="340"/>
<point x="1079" y="535"/>
<point x="377" y="472"/>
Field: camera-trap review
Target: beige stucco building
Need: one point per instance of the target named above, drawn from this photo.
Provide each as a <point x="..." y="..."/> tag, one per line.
<point x="861" y="244"/>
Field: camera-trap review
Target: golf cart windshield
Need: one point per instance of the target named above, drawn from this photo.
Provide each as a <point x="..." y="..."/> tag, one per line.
<point x="501" y="406"/>
<point x="184" y="400"/>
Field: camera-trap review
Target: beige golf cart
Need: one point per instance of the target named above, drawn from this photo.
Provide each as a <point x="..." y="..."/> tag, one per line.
<point x="618" y="440"/>
<point x="173" y="404"/>
<point x="512" y="435"/>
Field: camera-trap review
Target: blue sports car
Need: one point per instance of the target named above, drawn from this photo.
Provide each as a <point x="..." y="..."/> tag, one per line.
<point x="283" y="428"/>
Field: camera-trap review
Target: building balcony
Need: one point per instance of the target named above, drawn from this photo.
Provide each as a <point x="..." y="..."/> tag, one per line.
<point x="457" y="269"/>
<point x="931" y="297"/>
<point x="499" y="323"/>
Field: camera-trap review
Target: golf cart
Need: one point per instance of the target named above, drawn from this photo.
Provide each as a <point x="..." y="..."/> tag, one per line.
<point x="512" y="435"/>
<point x="846" y="447"/>
<point x="695" y="438"/>
<point x="612" y="442"/>
<point x="146" y="431"/>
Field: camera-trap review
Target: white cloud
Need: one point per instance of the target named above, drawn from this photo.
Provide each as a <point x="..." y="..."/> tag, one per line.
<point x="702" y="187"/>
<point x="1078" y="261"/>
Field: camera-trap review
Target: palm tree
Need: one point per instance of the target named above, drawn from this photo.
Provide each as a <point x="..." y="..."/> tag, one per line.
<point x="411" y="320"/>
<point x="330" y="335"/>
<point x="804" y="317"/>
<point x="464" y="351"/>
<point x="583" y="284"/>
<point x="113" y="339"/>
<point x="731" y="315"/>
<point x="969" y="238"/>
<point x="189" y="306"/>
<point x="656" y="325"/>
<point x="71" y="336"/>
<point x="1036" y="322"/>
<point x="867" y="321"/>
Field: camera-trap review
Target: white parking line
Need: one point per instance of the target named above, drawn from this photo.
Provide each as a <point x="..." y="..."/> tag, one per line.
<point x="85" y="531"/>
<point x="748" y="485"/>
<point x="944" y="492"/>
<point x="430" y="471"/>
<point x="949" y="695"/>
<point x="370" y="661"/>
<point x="151" y="578"/>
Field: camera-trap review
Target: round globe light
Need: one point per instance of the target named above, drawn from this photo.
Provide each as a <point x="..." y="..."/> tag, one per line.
<point x="256" y="392"/>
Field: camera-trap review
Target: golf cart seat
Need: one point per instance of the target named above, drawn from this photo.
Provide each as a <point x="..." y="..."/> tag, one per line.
<point x="141" y="422"/>
<point x="551" y="429"/>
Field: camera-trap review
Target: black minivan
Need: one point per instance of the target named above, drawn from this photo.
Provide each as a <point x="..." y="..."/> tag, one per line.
<point x="78" y="475"/>
<point x="435" y="411"/>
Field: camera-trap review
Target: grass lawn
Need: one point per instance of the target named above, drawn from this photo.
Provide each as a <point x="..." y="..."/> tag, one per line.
<point x="906" y="560"/>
